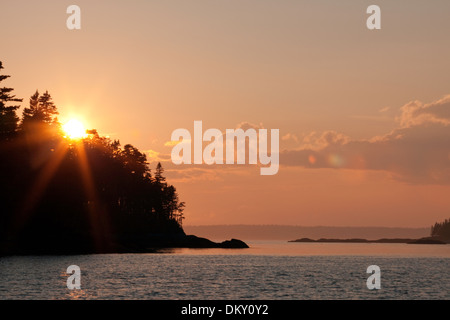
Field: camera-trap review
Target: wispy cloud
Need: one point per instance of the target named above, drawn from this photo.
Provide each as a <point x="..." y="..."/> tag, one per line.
<point x="290" y="137"/>
<point x="155" y="156"/>
<point x="418" y="151"/>
<point x="171" y="143"/>
<point x="416" y="113"/>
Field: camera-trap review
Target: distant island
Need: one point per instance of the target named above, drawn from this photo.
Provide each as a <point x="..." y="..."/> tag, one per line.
<point x="68" y="190"/>
<point x="440" y="234"/>
<point x="288" y="232"/>
<point x="409" y="241"/>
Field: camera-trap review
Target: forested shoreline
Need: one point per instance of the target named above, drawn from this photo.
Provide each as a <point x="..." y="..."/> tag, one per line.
<point x="64" y="195"/>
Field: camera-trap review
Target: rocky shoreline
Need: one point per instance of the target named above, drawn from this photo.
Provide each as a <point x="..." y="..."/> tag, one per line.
<point x="132" y="244"/>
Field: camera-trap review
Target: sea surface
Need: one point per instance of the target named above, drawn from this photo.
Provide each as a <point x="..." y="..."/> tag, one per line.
<point x="274" y="270"/>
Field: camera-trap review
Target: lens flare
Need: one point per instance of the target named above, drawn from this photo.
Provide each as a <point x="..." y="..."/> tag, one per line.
<point x="336" y="160"/>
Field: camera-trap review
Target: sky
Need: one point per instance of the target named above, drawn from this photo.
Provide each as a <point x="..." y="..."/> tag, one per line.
<point x="363" y="115"/>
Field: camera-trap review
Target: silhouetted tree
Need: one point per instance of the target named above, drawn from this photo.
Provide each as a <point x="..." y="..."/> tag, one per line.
<point x="441" y="229"/>
<point x="60" y="195"/>
<point x="134" y="160"/>
<point x="8" y="117"/>
<point x="159" y="173"/>
<point x="41" y="109"/>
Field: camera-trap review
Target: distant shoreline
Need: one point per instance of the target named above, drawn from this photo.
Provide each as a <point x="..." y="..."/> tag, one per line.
<point x="288" y="232"/>
<point x="384" y="240"/>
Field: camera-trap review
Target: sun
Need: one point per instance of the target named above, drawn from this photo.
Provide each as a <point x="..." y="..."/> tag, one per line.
<point x="74" y="129"/>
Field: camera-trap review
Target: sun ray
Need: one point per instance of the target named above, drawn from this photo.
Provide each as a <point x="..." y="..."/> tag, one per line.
<point x="40" y="185"/>
<point x="97" y="215"/>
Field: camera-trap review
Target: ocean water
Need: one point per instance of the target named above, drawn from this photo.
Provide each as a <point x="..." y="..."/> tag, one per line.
<point x="273" y="270"/>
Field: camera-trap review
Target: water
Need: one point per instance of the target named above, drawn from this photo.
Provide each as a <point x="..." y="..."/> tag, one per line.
<point x="268" y="270"/>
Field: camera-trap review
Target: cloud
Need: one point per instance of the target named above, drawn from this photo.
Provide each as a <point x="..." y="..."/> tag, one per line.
<point x="316" y="141"/>
<point x="416" y="113"/>
<point x="245" y="149"/>
<point x="290" y="137"/>
<point x="155" y="156"/>
<point x="416" y="152"/>
<point x="247" y="125"/>
<point x="171" y="143"/>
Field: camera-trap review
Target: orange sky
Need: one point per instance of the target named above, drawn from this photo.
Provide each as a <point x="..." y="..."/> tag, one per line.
<point x="370" y="107"/>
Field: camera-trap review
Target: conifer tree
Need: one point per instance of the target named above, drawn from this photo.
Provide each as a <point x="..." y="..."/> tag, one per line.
<point x="8" y="117"/>
<point x="41" y="109"/>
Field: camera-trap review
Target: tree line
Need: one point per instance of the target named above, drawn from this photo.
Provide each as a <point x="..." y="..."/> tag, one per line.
<point x="441" y="229"/>
<point x="91" y="193"/>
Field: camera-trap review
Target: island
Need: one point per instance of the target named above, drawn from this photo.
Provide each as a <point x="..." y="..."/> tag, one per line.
<point x="65" y="189"/>
<point x="408" y="241"/>
<point x="439" y="234"/>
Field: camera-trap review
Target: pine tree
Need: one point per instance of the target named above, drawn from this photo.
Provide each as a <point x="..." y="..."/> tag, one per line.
<point x="8" y="117"/>
<point x="159" y="174"/>
<point x="441" y="229"/>
<point x="41" y="109"/>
